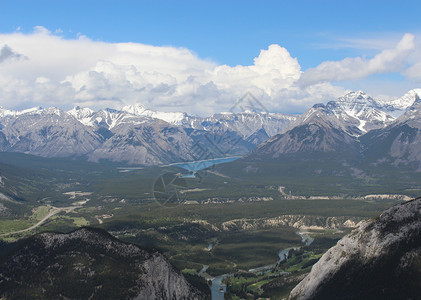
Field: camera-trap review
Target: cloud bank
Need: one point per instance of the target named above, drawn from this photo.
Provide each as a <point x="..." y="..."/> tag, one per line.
<point x="389" y="60"/>
<point x="42" y="68"/>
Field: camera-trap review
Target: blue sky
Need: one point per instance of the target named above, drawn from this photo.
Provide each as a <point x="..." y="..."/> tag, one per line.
<point x="234" y="32"/>
<point x="229" y="32"/>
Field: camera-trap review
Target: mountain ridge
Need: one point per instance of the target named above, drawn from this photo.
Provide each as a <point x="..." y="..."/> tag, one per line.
<point x="50" y="265"/>
<point x="137" y="135"/>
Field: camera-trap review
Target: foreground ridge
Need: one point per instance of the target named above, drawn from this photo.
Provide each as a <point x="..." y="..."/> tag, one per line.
<point x="89" y="263"/>
<point x="380" y="259"/>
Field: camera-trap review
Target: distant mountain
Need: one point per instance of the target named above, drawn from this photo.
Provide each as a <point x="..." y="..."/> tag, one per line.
<point x="134" y="135"/>
<point x="149" y="143"/>
<point x="354" y="123"/>
<point x="137" y="135"/>
<point x="46" y="132"/>
<point x="89" y="264"/>
<point x="356" y="113"/>
<point x="400" y="141"/>
<point x="403" y="102"/>
<point x="258" y="137"/>
<point x="378" y="260"/>
<point x="318" y="130"/>
<point x="358" y="106"/>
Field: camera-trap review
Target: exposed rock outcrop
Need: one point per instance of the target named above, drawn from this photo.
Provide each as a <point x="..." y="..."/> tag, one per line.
<point x="380" y="259"/>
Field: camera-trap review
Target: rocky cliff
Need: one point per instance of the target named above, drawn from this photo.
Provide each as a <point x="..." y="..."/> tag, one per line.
<point x="381" y="259"/>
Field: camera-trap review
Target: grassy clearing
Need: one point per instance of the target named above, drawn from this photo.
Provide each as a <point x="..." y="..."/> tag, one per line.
<point x="7" y="226"/>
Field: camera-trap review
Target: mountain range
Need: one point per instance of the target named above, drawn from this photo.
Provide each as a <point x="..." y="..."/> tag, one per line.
<point x="137" y="135"/>
<point x="353" y="125"/>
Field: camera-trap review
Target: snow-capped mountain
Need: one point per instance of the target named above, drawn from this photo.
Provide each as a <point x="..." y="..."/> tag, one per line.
<point x="173" y="118"/>
<point x="400" y="141"/>
<point x="245" y="124"/>
<point x="404" y="102"/>
<point x="356" y="112"/>
<point x="354" y="125"/>
<point x="139" y="135"/>
<point x="47" y="132"/>
<point x="363" y="108"/>
<point x="133" y="135"/>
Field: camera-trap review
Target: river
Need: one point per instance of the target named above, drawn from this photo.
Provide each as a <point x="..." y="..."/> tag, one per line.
<point x="217" y="294"/>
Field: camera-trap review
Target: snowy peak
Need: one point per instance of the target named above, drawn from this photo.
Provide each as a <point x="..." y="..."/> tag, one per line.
<point x="405" y="101"/>
<point x="355" y="109"/>
<point x="174" y="118"/>
<point x="34" y="110"/>
<point x="83" y="115"/>
<point x="136" y="109"/>
<point x="81" y="112"/>
<point x="357" y="97"/>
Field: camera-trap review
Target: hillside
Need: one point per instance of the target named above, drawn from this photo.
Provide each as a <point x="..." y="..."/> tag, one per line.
<point x="89" y="263"/>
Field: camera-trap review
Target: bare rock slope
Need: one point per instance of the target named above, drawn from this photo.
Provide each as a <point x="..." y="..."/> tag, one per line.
<point x="381" y="259"/>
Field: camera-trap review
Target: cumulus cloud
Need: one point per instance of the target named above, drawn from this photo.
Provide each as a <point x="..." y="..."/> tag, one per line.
<point x="67" y="72"/>
<point x="389" y="60"/>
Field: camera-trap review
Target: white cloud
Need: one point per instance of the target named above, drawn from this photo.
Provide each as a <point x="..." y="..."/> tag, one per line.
<point x="414" y="72"/>
<point x="61" y="72"/>
<point x="389" y="60"/>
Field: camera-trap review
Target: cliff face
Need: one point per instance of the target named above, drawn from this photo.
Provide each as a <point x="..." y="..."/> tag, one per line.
<point x="89" y="264"/>
<point x="378" y="260"/>
<point x="297" y="221"/>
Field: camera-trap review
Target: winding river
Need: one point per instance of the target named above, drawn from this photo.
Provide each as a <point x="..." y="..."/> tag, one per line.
<point x="217" y="294"/>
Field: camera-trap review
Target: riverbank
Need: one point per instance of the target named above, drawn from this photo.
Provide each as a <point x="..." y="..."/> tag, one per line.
<point x="218" y="289"/>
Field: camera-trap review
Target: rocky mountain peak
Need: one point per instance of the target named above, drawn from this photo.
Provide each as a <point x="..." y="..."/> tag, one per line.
<point x="81" y="113"/>
<point x="356" y="97"/>
<point x="135" y="109"/>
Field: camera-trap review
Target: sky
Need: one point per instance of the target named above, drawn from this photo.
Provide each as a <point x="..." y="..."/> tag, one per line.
<point x="202" y="56"/>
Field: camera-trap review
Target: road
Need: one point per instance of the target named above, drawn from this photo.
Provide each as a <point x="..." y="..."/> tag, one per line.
<point x="54" y="211"/>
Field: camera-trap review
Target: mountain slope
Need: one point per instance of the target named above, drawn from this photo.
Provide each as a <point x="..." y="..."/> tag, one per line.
<point x="400" y="142"/>
<point x="89" y="264"/>
<point x="47" y="132"/>
<point x="318" y="130"/>
<point x="381" y="259"/>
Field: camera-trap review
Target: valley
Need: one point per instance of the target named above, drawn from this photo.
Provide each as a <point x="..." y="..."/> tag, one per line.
<point x="218" y="205"/>
<point x="247" y="223"/>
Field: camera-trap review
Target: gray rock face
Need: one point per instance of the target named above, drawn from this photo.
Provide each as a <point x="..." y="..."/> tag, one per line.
<point x="148" y="143"/>
<point x="47" y="132"/>
<point x="378" y="260"/>
<point x="89" y="263"/>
